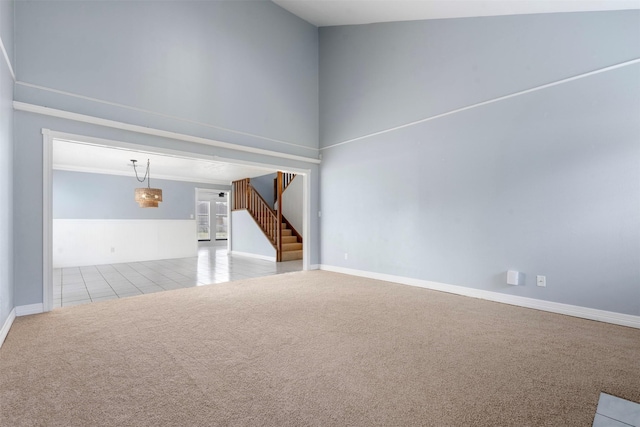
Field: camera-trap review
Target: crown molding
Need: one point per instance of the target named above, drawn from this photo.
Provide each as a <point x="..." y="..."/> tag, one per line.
<point x="155" y="113"/>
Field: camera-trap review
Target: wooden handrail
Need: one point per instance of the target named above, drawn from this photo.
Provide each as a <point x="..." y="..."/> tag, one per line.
<point x="246" y="197"/>
<point x="270" y="221"/>
<point x="287" y="177"/>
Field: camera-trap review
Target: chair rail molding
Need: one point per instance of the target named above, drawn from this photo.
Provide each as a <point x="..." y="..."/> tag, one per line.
<point x="155" y="113"/>
<point x="62" y="114"/>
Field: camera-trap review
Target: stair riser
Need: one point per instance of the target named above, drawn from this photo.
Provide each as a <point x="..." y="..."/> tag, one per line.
<point x="291" y="255"/>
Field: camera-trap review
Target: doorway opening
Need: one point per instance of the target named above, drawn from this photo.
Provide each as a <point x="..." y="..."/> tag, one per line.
<point x="88" y="164"/>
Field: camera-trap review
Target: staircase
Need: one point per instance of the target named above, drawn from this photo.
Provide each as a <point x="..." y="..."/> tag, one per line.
<point x="284" y="238"/>
<point x="291" y="247"/>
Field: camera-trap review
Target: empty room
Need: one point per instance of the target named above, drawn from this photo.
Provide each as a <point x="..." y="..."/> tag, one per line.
<point x="466" y="177"/>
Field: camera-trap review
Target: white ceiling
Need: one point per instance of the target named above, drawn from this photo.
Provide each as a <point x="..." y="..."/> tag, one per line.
<point x="80" y="157"/>
<point x="323" y="13"/>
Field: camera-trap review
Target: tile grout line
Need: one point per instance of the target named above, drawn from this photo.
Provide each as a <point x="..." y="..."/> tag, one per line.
<point x="153" y="281"/>
<point x="614" y="419"/>
<point x="127" y="279"/>
<point x="85" y="285"/>
<point x="187" y="270"/>
<point x="106" y="280"/>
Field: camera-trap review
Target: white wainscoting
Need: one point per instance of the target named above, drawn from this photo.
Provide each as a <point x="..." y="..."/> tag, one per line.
<point x="78" y="242"/>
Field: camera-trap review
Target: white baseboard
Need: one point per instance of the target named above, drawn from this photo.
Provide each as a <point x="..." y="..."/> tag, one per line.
<point x="314" y="267"/>
<point x="25" y="310"/>
<point x="7" y="325"/>
<point x="553" y="307"/>
<point x="250" y="255"/>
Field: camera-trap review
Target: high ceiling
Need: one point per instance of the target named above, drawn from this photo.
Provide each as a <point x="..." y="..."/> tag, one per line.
<point x="323" y="13"/>
<point x="70" y="155"/>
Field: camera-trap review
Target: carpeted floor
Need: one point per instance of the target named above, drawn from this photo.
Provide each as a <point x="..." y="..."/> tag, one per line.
<point x="311" y="348"/>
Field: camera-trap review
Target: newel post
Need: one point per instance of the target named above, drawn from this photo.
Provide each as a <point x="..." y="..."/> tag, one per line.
<point x="247" y="195"/>
<point x="279" y="186"/>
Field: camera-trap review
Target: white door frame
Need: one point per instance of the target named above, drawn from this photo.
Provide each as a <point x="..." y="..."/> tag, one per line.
<point x="48" y="137"/>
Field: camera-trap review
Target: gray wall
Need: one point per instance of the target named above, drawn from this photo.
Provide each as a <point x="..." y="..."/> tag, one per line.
<point x="79" y="195"/>
<point x="546" y="183"/>
<point x="6" y="164"/>
<point x="246" y="66"/>
<point x="264" y="186"/>
<point x="229" y="69"/>
<point x="248" y="237"/>
<point x="292" y="203"/>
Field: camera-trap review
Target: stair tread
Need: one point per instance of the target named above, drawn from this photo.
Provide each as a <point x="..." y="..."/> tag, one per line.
<point x="291" y="246"/>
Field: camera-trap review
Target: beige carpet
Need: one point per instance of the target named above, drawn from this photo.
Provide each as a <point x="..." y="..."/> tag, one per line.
<point x="311" y="348"/>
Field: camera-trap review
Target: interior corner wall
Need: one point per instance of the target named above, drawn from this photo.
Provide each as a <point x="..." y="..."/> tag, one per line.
<point x="244" y="73"/>
<point x="264" y="186"/>
<point x="292" y="203"/>
<point x="6" y="163"/>
<point x="248" y="238"/>
<point x="546" y="182"/>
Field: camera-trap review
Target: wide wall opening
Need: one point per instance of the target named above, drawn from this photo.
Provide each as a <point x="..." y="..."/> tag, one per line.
<point x="103" y="240"/>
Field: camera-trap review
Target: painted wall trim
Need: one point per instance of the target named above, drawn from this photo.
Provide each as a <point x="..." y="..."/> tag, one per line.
<point x="47" y="220"/>
<point x="490" y="101"/>
<point x="37" y="109"/>
<point x="168" y="116"/>
<point x="7" y="326"/>
<point x="47" y="164"/>
<point x="306" y="220"/>
<point x="73" y="168"/>
<point x="7" y="60"/>
<point x="91" y="140"/>
<point x="314" y="267"/>
<point x="26" y="310"/>
<point x="552" y="307"/>
<point x="250" y="255"/>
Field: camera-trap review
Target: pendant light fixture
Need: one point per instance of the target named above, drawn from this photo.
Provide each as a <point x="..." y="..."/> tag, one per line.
<point x="146" y="197"/>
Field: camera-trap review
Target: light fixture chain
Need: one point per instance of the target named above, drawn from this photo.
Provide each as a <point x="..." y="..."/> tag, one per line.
<point x="136" y="171"/>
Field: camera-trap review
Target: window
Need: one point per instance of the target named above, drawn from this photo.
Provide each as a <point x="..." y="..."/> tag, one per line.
<point x="204" y="222"/>
<point x="221" y="220"/>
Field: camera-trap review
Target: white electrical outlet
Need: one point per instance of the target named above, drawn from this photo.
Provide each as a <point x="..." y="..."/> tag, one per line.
<point x="346" y="255"/>
<point x="541" y="281"/>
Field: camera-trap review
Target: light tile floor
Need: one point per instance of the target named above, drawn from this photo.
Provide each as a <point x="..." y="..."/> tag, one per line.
<point x="82" y="285"/>
<point x="613" y="411"/>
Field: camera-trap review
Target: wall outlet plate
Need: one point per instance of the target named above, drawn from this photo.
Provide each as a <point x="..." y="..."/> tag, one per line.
<point x="541" y="281"/>
<point x="513" y="277"/>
